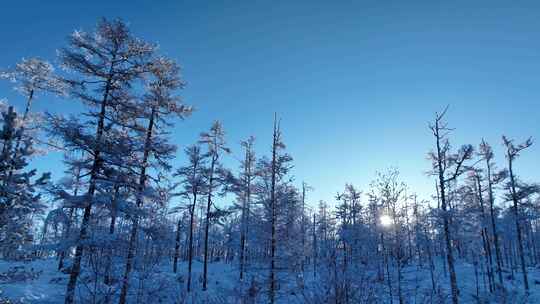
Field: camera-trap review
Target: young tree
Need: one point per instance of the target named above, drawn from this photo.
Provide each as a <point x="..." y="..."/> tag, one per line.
<point x="277" y="145"/>
<point x="391" y="193"/>
<point x="71" y="182"/>
<point x="486" y="154"/>
<point x="352" y="195"/>
<point x="304" y="224"/>
<point x="447" y="167"/>
<point x="194" y="184"/>
<point x="18" y="187"/>
<point x="246" y="179"/>
<point x="512" y="152"/>
<point x="30" y="77"/>
<point x="215" y="141"/>
<point x="475" y="179"/>
<point x="179" y="226"/>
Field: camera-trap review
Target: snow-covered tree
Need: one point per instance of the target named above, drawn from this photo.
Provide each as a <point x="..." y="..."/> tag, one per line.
<point x="447" y="166"/>
<point x="104" y="66"/>
<point x="214" y="140"/>
<point x="193" y="183"/>
<point x="512" y="152"/>
<point x="159" y="103"/>
<point x="20" y="198"/>
<point x="492" y="178"/>
<point x="245" y="193"/>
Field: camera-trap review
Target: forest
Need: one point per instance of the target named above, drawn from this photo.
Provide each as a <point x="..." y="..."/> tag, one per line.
<point x="124" y="225"/>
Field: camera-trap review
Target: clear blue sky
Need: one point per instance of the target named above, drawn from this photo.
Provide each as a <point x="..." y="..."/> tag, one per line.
<point x="355" y="82"/>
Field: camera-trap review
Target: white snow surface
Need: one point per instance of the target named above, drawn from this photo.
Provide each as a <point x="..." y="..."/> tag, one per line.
<point x="48" y="285"/>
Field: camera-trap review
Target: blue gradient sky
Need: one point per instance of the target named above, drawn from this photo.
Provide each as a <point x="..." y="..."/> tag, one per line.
<point x="355" y="82"/>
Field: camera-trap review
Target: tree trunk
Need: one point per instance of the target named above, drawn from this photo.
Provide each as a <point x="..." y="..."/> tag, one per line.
<point x="139" y="200"/>
<point x="303" y="227"/>
<point x="112" y="226"/>
<point x="190" y="252"/>
<point x="314" y="247"/>
<point x="245" y="211"/>
<point x="70" y="223"/>
<point x="96" y="165"/>
<point x="207" y="222"/>
<point x="494" y="226"/>
<point x="176" y="246"/>
<point x="446" y="228"/>
<point x="518" y="226"/>
<point x="485" y="237"/>
<point x="272" y="290"/>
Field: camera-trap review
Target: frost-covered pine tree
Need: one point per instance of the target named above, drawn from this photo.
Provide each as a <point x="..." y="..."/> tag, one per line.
<point x="19" y="195"/>
<point x="30" y="77"/>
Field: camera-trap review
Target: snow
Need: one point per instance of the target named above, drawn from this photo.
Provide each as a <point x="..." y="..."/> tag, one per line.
<point x="166" y="287"/>
<point x="48" y="287"/>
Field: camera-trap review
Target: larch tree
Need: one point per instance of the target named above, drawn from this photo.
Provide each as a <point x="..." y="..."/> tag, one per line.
<point x="71" y="182"/>
<point x="104" y="66"/>
<point x="390" y="193"/>
<point x="475" y="179"/>
<point x="246" y="192"/>
<point x="305" y="223"/>
<point x="277" y="145"/>
<point x="353" y="196"/>
<point x="159" y="103"/>
<point x="193" y="184"/>
<point x="447" y="166"/>
<point x="512" y="152"/>
<point x="216" y="145"/>
<point x="492" y="178"/>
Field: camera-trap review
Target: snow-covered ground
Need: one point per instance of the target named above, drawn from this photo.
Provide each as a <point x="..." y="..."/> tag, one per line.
<point x="39" y="282"/>
<point x="33" y="282"/>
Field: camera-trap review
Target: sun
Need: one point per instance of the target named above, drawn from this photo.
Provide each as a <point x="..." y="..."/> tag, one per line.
<point x="386" y="220"/>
